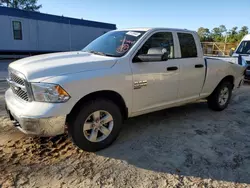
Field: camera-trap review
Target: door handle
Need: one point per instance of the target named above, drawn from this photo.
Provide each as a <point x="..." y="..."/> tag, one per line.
<point x="172" y="68"/>
<point x="199" y="66"/>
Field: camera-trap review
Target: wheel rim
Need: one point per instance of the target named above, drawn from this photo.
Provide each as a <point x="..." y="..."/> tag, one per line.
<point x="224" y="96"/>
<point x="98" y="126"/>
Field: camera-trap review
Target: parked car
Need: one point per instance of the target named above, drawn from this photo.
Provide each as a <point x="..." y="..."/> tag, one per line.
<point x="122" y="74"/>
<point x="242" y="52"/>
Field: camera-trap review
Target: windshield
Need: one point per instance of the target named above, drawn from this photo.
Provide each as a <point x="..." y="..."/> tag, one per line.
<point x="244" y="48"/>
<point x="115" y="43"/>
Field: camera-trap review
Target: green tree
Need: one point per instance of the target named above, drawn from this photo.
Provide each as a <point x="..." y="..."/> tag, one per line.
<point x="243" y="31"/>
<point x="30" y="5"/>
<point x="218" y="33"/>
<point x="204" y="34"/>
<point x="221" y="34"/>
<point x="233" y="35"/>
<point x="223" y="29"/>
<point x="234" y="31"/>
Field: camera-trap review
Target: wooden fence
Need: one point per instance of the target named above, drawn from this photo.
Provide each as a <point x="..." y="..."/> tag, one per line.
<point x="217" y="48"/>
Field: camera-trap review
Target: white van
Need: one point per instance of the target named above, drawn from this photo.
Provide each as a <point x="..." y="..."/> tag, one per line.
<point x="244" y="50"/>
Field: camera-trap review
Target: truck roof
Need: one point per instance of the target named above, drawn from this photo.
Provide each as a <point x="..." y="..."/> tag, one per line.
<point x="154" y="28"/>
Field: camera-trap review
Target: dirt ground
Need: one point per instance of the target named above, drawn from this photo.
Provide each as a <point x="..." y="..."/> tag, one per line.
<point x="188" y="146"/>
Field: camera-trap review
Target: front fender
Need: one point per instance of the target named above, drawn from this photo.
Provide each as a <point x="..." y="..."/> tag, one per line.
<point x="79" y="85"/>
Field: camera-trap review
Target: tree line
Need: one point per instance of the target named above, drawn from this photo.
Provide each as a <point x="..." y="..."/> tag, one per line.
<point x="222" y="34"/>
<point x="30" y="5"/>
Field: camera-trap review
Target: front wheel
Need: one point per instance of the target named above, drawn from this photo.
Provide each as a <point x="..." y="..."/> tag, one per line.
<point x="96" y="126"/>
<point x="220" y="98"/>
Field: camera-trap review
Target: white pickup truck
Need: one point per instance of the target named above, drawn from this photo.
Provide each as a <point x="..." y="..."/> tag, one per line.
<point x="122" y="74"/>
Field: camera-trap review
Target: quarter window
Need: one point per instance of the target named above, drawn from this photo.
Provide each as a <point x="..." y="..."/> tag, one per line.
<point x="161" y="40"/>
<point x="187" y="45"/>
<point x="17" y="30"/>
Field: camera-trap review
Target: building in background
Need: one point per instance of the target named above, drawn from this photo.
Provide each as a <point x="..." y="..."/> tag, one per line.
<point x="24" y="32"/>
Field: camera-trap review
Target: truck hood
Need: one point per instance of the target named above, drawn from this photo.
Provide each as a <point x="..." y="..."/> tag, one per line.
<point x="247" y="58"/>
<point x="243" y="55"/>
<point x="38" y="68"/>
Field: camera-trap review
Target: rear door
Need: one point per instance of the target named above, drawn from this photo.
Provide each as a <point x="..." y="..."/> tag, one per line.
<point x="192" y="66"/>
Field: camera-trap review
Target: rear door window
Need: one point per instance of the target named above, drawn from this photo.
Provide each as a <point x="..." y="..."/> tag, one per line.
<point x="187" y="45"/>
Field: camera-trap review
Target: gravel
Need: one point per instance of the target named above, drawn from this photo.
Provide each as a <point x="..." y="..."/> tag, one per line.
<point x="188" y="146"/>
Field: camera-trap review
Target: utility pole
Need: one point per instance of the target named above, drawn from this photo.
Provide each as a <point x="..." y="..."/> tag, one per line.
<point x="225" y="44"/>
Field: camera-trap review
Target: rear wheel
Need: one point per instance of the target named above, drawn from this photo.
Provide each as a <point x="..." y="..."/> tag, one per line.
<point x="96" y="126"/>
<point x="220" y="98"/>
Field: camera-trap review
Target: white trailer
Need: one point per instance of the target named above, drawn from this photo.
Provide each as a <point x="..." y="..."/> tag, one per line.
<point x="25" y="32"/>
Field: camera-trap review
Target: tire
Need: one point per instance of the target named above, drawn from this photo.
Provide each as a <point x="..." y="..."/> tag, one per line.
<point x="85" y="139"/>
<point x="214" y="100"/>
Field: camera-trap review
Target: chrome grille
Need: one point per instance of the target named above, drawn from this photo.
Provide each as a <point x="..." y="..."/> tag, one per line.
<point x="20" y="93"/>
<point x="18" y="85"/>
<point x="16" y="79"/>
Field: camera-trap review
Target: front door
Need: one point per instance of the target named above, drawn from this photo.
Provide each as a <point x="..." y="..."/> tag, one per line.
<point x="155" y="82"/>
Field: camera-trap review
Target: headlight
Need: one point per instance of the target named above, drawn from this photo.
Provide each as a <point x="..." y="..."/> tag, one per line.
<point x="44" y="92"/>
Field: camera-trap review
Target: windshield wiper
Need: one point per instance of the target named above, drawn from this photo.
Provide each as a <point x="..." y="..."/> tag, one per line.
<point x="101" y="53"/>
<point x="97" y="53"/>
<point x="111" y="55"/>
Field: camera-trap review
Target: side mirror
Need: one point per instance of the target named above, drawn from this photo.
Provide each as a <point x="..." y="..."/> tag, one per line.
<point x="231" y="52"/>
<point x="151" y="57"/>
<point x="154" y="54"/>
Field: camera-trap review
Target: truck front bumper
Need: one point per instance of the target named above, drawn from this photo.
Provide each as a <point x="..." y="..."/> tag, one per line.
<point x="36" y="123"/>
